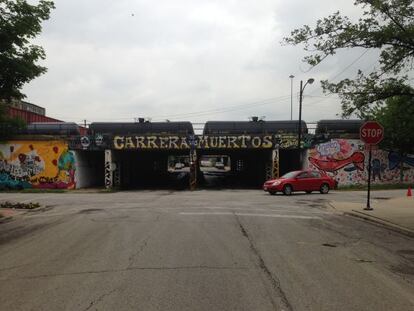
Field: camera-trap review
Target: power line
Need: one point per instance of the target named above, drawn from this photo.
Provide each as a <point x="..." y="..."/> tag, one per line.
<point x="203" y="112"/>
<point x="347" y="67"/>
<point x="200" y="114"/>
<point x="343" y="70"/>
<point x="235" y="107"/>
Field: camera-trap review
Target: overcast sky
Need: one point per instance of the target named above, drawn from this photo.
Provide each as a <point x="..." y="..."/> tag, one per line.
<point x="193" y="60"/>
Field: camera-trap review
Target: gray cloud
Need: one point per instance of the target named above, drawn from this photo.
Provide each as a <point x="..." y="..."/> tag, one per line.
<point x="195" y="60"/>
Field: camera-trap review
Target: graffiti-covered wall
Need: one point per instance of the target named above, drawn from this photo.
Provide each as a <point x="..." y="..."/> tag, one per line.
<point x="347" y="160"/>
<point x="36" y="164"/>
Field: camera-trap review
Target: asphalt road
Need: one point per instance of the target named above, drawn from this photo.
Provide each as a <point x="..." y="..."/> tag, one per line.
<point x="202" y="250"/>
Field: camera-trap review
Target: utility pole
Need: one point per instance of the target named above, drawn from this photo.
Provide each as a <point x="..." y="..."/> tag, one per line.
<point x="300" y="114"/>
<point x="310" y="81"/>
<point x="291" y="96"/>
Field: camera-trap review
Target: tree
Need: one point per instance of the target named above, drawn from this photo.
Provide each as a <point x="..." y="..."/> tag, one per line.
<point x="19" y="23"/>
<point x="9" y="125"/>
<point x="396" y="116"/>
<point x="387" y="25"/>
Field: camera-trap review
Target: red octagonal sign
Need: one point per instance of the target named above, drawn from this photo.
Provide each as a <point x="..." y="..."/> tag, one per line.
<point x="371" y="132"/>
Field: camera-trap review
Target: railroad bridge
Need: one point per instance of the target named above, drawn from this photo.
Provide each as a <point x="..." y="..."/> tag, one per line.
<point x="170" y="154"/>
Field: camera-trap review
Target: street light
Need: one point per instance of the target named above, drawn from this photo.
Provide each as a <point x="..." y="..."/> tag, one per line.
<point x="310" y="81"/>
<point x="291" y="96"/>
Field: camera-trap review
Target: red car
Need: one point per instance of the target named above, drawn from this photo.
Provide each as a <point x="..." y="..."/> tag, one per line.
<point x="307" y="181"/>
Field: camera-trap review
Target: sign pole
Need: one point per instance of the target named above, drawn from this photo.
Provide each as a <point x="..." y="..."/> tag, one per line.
<point x="369" y="208"/>
<point x="371" y="133"/>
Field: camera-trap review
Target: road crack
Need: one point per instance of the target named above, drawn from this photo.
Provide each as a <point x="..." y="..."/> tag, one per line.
<point x="154" y="268"/>
<point x="99" y="299"/>
<point x="275" y="282"/>
<point x="144" y="243"/>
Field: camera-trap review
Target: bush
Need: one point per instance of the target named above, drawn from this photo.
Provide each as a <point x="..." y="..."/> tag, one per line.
<point x="18" y="205"/>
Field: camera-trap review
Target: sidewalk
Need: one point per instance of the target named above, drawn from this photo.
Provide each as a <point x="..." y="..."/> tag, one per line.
<point x="397" y="213"/>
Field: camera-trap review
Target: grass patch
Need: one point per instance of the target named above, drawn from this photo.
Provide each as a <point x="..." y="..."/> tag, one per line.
<point x="374" y="187"/>
<point x="19" y="205"/>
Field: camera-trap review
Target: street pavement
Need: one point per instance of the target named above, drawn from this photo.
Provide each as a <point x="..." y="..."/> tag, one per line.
<point x="202" y="250"/>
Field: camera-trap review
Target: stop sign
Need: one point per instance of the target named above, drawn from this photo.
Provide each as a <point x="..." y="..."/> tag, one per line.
<point x="371" y="132"/>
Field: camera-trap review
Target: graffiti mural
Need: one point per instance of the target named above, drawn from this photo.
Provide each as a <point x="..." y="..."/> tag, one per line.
<point x="346" y="160"/>
<point x="353" y="162"/>
<point x="36" y="164"/>
<point x="206" y="142"/>
<point x="108" y="169"/>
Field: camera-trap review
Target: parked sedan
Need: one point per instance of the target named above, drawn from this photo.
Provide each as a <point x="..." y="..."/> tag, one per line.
<point x="307" y="181"/>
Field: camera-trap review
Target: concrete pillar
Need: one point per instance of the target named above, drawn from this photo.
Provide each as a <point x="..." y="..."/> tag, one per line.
<point x="109" y="180"/>
<point x="275" y="163"/>
<point x="193" y="168"/>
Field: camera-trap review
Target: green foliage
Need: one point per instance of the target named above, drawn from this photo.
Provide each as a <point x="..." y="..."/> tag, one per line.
<point x="19" y="23"/>
<point x="397" y="119"/>
<point x="387" y="25"/>
<point x="18" y="205"/>
<point x="8" y="125"/>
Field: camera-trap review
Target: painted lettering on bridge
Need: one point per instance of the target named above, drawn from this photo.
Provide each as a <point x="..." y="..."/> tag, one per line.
<point x="201" y="142"/>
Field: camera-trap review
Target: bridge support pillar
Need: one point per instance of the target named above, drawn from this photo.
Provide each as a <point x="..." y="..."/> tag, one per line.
<point x="275" y="163"/>
<point x="193" y="168"/>
<point x="109" y="169"/>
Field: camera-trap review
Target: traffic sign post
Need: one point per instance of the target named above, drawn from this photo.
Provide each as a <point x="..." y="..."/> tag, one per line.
<point x="371" y="132"/>
<point x="368" y="207"/>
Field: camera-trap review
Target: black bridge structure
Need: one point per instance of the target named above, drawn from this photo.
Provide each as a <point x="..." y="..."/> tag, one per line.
<point x="169" y="154"/>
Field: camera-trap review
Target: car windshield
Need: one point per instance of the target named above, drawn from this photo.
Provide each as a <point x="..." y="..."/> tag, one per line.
<point x="289" y="175"/>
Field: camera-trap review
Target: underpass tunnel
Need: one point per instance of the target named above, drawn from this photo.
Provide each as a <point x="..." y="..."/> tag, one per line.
<point x="233" y="168"/>
<point x="152" y="169"/>
<point x="90" y="168"/>
<point x="170" y="169"/>
<point x="290" y="160"/>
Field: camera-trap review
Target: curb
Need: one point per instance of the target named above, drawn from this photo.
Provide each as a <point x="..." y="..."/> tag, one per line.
<point x="380" y="222"/>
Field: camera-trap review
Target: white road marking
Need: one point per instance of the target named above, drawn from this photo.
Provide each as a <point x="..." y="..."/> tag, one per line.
<point x="249" y="215"/>
<point x="253" y="209"/>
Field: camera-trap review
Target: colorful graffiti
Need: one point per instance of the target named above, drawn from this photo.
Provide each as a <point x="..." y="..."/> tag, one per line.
<point x="332" y="165"/>
<point x="395" y="160"/>
<point x="346" y="160"/>
<point x="36" y="164"/>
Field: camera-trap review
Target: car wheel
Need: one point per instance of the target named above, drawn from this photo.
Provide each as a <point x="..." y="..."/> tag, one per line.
<point x="272" y="192"/>
<point x="308" y="191"/>
<point x="287" y="190"/>
<point x="324" y="189"/>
